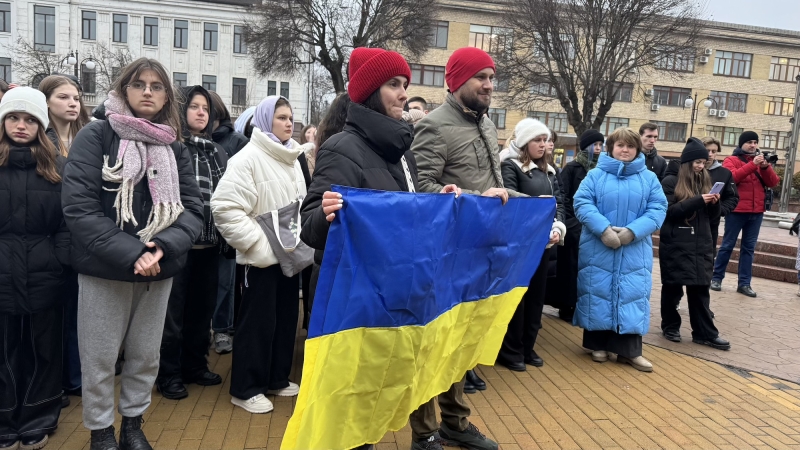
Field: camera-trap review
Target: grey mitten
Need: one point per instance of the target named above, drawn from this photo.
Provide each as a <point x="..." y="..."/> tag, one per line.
<point x="625" y="235"/>
<point x="610" y="239"/>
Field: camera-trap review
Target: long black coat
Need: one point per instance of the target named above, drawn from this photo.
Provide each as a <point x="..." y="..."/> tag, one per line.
<point x="728" y="198"/>
<point x="99" y="247"/>
<point x="34" y="240"/>
<point x="685" y="249"/>
<point x="228" y="138"/>
<point x="366" y="154"/>
<point x="570" y="180"/>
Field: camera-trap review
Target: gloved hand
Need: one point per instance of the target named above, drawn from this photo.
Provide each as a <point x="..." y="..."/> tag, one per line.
<point x="610" y="239"/>
<point x="625" y="235"/>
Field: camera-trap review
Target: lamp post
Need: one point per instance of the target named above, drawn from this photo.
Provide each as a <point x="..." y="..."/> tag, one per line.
<point x="690" y="103"/>
<point x="72" y="60"/>
<point x="791" y="152"/>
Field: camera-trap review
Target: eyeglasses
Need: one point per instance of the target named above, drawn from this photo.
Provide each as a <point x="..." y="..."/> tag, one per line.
<point x="155" y="88"/>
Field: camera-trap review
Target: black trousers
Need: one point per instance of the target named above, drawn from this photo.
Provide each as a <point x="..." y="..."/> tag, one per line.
<point x="184" y="346"/>
<point x="567" y="272"/>
<point x="527" y="319"/>
<point x="265" y="332"/>
<point x="627" y="345"/>
<point x="30" y="373"/>
<point x="305" y="282"/>
<point x="699" y="313"/>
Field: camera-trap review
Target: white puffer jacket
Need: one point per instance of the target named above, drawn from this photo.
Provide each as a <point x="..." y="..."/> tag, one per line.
<point x="263" y="176"/>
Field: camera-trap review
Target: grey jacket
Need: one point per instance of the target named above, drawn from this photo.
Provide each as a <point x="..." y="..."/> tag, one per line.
<point x="454" y="145"/>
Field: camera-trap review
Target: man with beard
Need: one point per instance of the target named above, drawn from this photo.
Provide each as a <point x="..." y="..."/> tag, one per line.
<point x="457" y="144"/>
<point x="655" y="162"/>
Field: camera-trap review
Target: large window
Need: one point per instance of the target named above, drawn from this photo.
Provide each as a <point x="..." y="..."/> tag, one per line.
<point x="730" y="101"/>
<point x="272" y="88"/>
<point x="495" y="40"/>
<point x="44" y="28"/>
<point x="779" y="106"/>
<point x="88" y="80"/>
<point x="427" y="75"/>
<point x="210" y="82"/>
<point x="625" y="93"/>
<point x="239" y="45"/>
<point x="670" y="59"/>
<point x="239" y="92"/>
<point x="726" y="135"/>
<point x="181" y="34"/>
<point x="5" y="17"/>
<point x="179" y="79"/>
<point x="88" y="25"/>
<point x="210" y="35"/>
<point x="544" y="89"/>
<point x="557" y="121"/>
<point x="439" y="34"/>
<point x="498" y="116"/>
<point x="670" y="96"/>
<point x="732" y="64"/>
<point x="612" y="123"/>
<point x="784" y="69"/>
<point x="5" y="69"/>
<point x="777" y="140"/>
<point x="151" y="31"/>
<point x="284" y="89"/>
<point x="671" y="131"/>
<point x="120" y="28"/>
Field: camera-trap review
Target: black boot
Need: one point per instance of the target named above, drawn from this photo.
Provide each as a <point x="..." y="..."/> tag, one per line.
<point x="131" y="436"/>
<point x="104" y="439"/>
<point x="475" y="380"/>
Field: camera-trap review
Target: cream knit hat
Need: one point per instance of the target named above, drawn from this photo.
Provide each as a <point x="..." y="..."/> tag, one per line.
<point x="27" y="100"/>
<point x="528" y="129"/>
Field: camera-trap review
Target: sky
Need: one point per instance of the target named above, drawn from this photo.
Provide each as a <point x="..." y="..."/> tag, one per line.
<point x="784" y="14"/>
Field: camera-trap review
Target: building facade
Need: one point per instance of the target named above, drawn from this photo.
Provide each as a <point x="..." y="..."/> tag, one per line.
<point x="748" y="72"/>
<point x="199" y="42"/>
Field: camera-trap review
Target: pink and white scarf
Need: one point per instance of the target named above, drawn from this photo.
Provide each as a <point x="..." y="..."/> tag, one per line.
<point x="144" y="150"/>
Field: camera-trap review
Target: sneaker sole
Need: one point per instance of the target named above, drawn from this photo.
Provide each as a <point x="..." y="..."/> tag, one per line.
<point x="13" y="446"/>
<point x="250" y="410"/>
<point x="35" y="446"/>
<point x="623" y="360"/>
<point x="599" y="359"/>
<point x="275" y="393"/>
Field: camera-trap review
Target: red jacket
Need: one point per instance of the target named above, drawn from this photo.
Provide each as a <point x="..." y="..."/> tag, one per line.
<point x="751" y="191"/>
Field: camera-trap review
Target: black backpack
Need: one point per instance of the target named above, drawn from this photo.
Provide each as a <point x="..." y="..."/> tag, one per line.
<point x="795" y="225"/>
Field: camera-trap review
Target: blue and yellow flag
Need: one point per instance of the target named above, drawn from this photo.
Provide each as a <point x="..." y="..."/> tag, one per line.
<point x="415" y="289"/>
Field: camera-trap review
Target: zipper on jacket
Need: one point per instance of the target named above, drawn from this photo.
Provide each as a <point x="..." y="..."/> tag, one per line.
<point x="687" y="228"/>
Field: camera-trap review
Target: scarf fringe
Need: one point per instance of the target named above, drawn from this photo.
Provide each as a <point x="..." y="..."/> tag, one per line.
<point x="161" y="216"/>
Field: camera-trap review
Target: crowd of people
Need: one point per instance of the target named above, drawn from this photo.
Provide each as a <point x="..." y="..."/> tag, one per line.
<point x="127" y="237"/>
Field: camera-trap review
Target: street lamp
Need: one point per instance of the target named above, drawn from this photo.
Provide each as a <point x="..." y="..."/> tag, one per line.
<point x="690" y="103"/>
<point x="72" y="60"/>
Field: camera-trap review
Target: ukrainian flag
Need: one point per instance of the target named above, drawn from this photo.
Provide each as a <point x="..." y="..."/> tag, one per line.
<point x="415" y="289"/>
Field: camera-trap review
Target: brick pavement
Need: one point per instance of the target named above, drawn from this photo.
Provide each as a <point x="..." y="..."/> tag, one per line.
<point x="570" y="403"/>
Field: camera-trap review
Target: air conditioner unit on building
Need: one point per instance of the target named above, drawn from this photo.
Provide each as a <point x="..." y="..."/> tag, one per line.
<point x="708" y="51"/>
<point x="722" y="113"/>
<point x="648" y="92"/>
<point x="712" y="112"/>
<point x="655" y="107"/>
<point x="704" y="60"/>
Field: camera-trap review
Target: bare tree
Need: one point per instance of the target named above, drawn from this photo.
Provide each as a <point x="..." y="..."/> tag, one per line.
<point x="31" y="63"/>
<point x="580" y="53"/>
<point x="285" y="35"/>
<point x="322" y="94"/>
<point x="109" y="63"/>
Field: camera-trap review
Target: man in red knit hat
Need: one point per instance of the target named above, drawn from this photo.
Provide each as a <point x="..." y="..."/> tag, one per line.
<point x="457" y="144"/>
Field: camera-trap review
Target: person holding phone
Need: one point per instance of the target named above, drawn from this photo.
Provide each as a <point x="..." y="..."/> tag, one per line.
<point x="729" y="196"/>
<point x="686" y="250"/>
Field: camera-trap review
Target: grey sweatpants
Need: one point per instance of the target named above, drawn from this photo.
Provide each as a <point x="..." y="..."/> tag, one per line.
<point x="114" y="315"/>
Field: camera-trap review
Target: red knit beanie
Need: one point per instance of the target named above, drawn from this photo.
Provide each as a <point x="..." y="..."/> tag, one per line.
<point x="463" y="64"/>
<point x="371" y="67"/>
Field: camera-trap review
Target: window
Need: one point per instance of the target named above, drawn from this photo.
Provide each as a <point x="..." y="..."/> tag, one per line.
<point x="625" y="92"/>
<point x="569" y="45"/>
<point x="491" y="39"/>
<point x="239" y="92"/>
<point x="612" y="123"/>
<point x="5" y="17"/>
<point x="210" y="36"/>
<point x="151" y="31"/>
<point x="89" y="25"/>
<point x="726" y="135"/>
<point x="670" y="96"/>
<point x="88" y="80"/>
<point x="239" y="45"/>
<point x="179" y="79"/>
<point x="5" y="69"/>
<point x="784" y="69"/>
<point x="779" y="106"/>
<point x="439" y="34"/>
<point x="44" y="28"/>
<point x="730" y="101"/>
<point x="498" y="116"/>
<point x="284" y="89"/>
<point x="671" y="131"/>
<point x="544" y="89"/>
<point x="210" y="82"/>
<point x="271" y="88"/>
<point x="675" y="60"/>
<point x="732" y="64"/>
<point x="557" y="121"/>
<point x="500" y="83"/>
<point x="778" y="140"/>
<point x="120" y="28"/>
<point x="181" y="34"/>
<point x="427" y="75"/>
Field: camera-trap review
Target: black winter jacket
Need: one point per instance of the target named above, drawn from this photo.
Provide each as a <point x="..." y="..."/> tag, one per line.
<point x="34" y="240"/>
<point x="570" y="180"/>
<point x="656" y="163"/>
<point x="366" y="154"/>
<point x="685" y="248"/>
<point x="729" y="197"/>
<point x="99" y="247"/>
<point x="229" y="139"/>
<point x="533" y="183"/>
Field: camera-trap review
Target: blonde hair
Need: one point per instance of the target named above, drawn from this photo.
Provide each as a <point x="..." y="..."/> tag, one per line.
<point x="708" y="140"/>
<point x="626" y="136"/>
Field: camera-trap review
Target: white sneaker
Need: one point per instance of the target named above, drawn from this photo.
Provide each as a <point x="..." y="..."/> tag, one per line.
<point x="600" y="356"/>
<point x="798" y="291"/>
<point x="254" y="405"/>
<point x="639" y="363"/>
<point x="290" y="391"/>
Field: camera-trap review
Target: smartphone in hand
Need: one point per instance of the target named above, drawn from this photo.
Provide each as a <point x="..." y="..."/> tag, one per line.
<point x="717" y="187"/>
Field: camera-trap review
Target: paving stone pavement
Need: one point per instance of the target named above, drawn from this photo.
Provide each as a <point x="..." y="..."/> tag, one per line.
<point x="688" y="402"/>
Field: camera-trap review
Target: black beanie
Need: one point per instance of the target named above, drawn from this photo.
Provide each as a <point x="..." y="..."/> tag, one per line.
<point x="694" y="150"/>
<point x="747" y="136"/>
<point x="589" y="137"/>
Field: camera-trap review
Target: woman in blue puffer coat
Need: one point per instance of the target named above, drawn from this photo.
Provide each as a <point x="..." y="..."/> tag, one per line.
<point x="620" y="204"/>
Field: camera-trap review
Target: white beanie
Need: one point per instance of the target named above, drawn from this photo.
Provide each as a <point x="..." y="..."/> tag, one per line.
<point x="527" y="129"/>
<point x="27" y="100"/>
